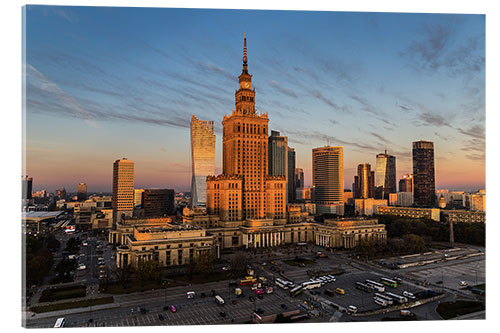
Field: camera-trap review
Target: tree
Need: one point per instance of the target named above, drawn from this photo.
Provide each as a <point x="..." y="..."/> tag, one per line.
<point x="414" y="243"/>
<point x="147" y="271"/>
<point x="123" y="275"/>
<point x="239" y="262"/>
<point x="205" y="263"/>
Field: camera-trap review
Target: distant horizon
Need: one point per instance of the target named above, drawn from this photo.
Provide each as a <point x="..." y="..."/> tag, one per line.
<point x="96" y="87"/>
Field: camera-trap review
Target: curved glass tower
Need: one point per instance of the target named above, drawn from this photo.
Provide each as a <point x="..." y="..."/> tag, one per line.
<point x="202" y="159"/>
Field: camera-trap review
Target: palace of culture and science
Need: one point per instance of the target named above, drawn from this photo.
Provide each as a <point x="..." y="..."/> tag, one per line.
<point x="245" y="206"/>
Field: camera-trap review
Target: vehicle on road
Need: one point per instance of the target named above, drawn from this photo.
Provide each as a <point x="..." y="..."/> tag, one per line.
<point x="364" y="287"/>
<point x="81" y="267"/>
<point x="248" y="281"/>
<point x="389" y="282"/>
<point x="464" y="283"/>
<point x="380" y="301"/>
<point x="439" y="282"/>
<point x="85" y="244"/>
<point x="269" y="290"/>
<point x="297" y="290"/>
<point x="237" y="291"/>
<point x="406" y="313"/>
<point x="340" y="291"/>
<point x="386" y="298"/>
<point x="329" y="292"/>
<point x="259" y="311"/>
<point x="352" y="309"/>
<point x="259" y="291"/>
<point x="160" y="316"/>
<point x="173" y="309"/>
<point x="375" y="285"/>
<point x="398" y="280"/>
<point x="143" y="310"/>
<point x="397" y="298"/>
<point x="225" y="268"/>
<point x="222" y="314"/>
<point x="59" y="323"/>
<point x="190" y="294"/>
<point x="408" y="294"/>
<point x="219" y="300"/>
<point x="282" y="283"/>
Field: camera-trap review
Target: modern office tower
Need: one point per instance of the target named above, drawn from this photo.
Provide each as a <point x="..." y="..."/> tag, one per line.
<point x="291" y="187"/>
<point x="158" y="202"/>
<point x="202" y="159"/>
<point x="328" y="179"/>
<point x="364" y="182"/>
<point x="138" y="197"/>
<point x="245" y="190"/>
<point x="424" y="191"/>
<point x="123" y="189"/>
<point x="406" y="183"/>
<point x="27" y="183"/>
<point x="278" y="154"/>
<point x="81" y="191"/>
<point x="299" y="178"/>
<point x="385" y="176"/>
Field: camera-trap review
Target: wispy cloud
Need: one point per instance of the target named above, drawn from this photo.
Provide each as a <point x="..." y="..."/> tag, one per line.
<point x="329" y="102"/>
<point x="282" y="89"/>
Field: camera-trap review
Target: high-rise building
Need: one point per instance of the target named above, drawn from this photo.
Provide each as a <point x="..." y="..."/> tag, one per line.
<point x="245" y="190"/>
<point x="81" y="191"/>
<point x="158" y="202"/>
<point x="138" y="197"/>
<point x="61" y="193"/>
<point x="328" y="179"/>
<point x="27" y="189"/>
<point x="385" y="177"/>
<point x="424" y="190"/>
<point x="406" y="183"/>
<point x="299" y="178"/>
<point x="202" y="159"/>
<point x="364" y="182"/>
<point x="278" y="154"/>
<point x="123" y="189"/>
<point x="291" y="187"/>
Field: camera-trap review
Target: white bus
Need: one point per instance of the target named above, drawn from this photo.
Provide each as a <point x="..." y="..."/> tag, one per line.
<point x="281" y="283"/>
<point x="384" y="297"/>
<point x="59" y="323"/>
<point x="312" y="284"/>
<point x="398" y="298"/>
<point x="375" y="285"/>
<point x="380" y="301"/>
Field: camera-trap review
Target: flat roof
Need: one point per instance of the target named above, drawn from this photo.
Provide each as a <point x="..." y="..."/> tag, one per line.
<point x="42" y="215"/>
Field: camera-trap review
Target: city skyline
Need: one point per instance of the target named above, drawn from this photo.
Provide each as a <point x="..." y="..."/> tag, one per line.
<point x="308" y="81"/>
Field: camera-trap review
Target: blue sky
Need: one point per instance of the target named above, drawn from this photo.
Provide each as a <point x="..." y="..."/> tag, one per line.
<point x="105" y="83"/>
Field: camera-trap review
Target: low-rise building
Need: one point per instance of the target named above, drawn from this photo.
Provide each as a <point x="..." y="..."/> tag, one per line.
<point x="463" y="216"/>
<point x="169" y="245"/>
<point x="428" y="213"/>
<point x="368" y="206"/>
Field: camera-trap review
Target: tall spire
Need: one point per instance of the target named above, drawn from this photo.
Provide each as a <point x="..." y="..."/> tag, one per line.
<point x="245" y="48"/>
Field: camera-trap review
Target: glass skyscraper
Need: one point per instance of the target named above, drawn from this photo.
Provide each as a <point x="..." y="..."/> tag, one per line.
<point x="424" y="188"/>
<point x="202" y="159"/>
<point x="385" y="176"/>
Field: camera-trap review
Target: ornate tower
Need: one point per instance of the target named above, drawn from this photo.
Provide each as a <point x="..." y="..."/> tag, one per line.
<point x="245" y="148"/>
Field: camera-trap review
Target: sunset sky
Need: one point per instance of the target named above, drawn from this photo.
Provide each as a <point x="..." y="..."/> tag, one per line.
<point x="106" y="83"/>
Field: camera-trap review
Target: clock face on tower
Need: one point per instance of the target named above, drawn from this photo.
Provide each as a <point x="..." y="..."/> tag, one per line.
<point x="245" y="85"/>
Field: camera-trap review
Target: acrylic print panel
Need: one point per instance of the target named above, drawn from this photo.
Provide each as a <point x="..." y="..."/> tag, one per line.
<point x="192" y="167"/>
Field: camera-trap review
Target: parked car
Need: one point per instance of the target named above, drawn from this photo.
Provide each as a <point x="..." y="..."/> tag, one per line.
<point x="173" y="309"/>
<point x="143" y="310"/>
<point x="160" y="316"/>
